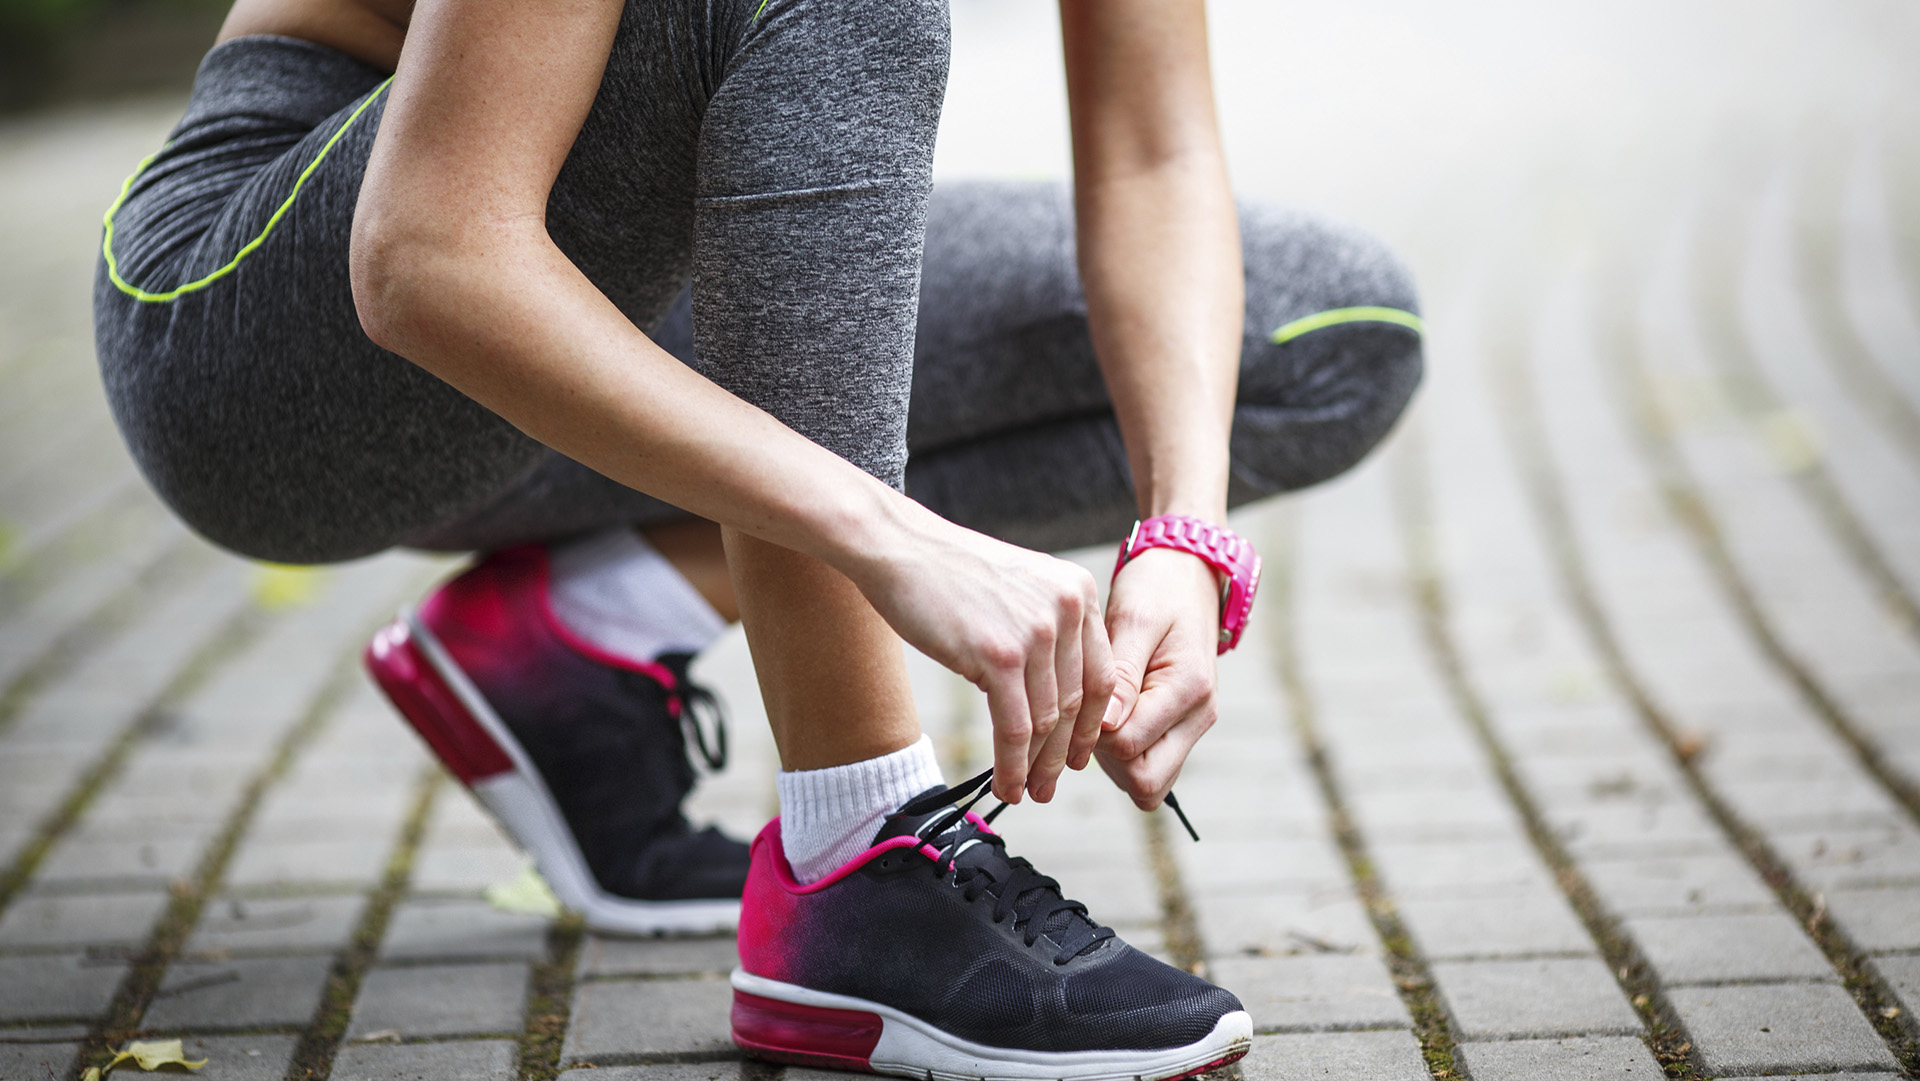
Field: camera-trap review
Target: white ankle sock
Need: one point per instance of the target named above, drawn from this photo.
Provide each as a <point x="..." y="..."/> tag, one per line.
<point x="616" y="591"/>
<point x="828" y="816"/>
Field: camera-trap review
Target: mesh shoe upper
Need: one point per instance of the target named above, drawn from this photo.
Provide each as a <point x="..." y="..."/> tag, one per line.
<point x="608" y="736"/>
<point x="939" y="922"/>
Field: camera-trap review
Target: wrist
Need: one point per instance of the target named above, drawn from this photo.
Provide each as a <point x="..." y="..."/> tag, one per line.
<point x="1225" y="551"/>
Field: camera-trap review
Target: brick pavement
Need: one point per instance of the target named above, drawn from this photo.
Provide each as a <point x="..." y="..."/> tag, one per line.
<point x="1576" y="736"/>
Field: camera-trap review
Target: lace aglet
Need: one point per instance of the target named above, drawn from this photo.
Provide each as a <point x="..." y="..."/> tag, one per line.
<point x="1174" y="805"/>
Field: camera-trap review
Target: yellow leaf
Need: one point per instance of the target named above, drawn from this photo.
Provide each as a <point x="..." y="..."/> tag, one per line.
<point x="153" y="1054"/>
<point x="527" y="894"/>
<point x="92" y="1073"/>
<point x="277" y="586"/>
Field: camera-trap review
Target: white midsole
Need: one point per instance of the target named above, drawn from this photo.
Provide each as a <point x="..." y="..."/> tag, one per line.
<point x="526" y="809"/>
<point x="910" y="1047"/>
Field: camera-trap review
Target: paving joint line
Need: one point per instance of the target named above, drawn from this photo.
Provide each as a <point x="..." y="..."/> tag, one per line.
<point x="1625" y="366"/>
<point x="227" y="640"/>
<point x="1720" y="248"/>
<point x="176" y="565"/>
<point x="1413" y="500"/>
<point x="1540" y="478"/>
<point x="313" y="1057"/>
<point x="142" y="983"/>
<point x="550" y="1001"/>
<point x="1412" y="977"/>
<point x="1179" y="929"/>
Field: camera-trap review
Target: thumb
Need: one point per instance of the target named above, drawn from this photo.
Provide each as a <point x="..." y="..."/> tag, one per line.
<point x="1133" y="646"/>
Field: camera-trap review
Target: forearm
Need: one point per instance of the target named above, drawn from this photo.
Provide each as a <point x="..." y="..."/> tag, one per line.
<point x="1160" y="257"/>
<point x="501" y="314"/>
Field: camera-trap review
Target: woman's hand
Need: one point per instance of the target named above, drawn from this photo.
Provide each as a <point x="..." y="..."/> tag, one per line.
<point x="1022" y="626"/>
<point x="1164" y="618"/>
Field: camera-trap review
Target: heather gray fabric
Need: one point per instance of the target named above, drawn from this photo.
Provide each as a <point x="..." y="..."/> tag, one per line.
<point x="766" y="181"/>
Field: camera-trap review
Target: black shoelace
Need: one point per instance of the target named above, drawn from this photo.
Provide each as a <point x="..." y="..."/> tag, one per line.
<point x="1035" y="901"/>
<point x="694" y="701"/>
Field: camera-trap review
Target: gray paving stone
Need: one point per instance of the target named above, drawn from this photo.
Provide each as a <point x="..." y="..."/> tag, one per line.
<point x="1779" y="1028"/>
<point x="46" y="988"/>
<point x="693" y="1071"/>
<point x="241" y="925"/>
<point x="1460" y="868"/>
<point x="244" y="992"/>
<point x="1335" y="1056"/>
<point x="476" y="1060"/>
<point x="39" y="1054"/>
<point x="1659" y="887"/>
<point x="441" y="1000"/>
<point x="350" y="861"/>
<point x="1260" y="863"/>
<point x="1313" y="993"/>
<point x="240" y="1058"/>
<point x="1602" y="1058"/>
<point x="1878" y="919"/>
<point x="464" y="929"/>
<point x="1549" y="997"/>
<point x="1651" y="830"/>
<point x="648" y="1017"/>
<point x="1281" y="923"/>
<point x="98" y="855"/>
<point x="105" y="919"/>
<point x="467" y="869"/>
<point x="1720" y="949"/>
<point x="1522" y="924"/>
<point x="1902" y="973"/>
<point x="1832" y="858"/>
<point x="603" y="956"/>
<point x="1850" y="1076"/>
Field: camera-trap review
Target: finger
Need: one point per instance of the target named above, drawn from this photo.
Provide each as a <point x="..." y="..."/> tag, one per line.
<point x="1148" y="776"/>
<point x="1097" y="681"/>
<point x="1043" y="694"/>
<point x="1134" y="643"/>
<point x="1012" y="732"/>
<point x="1045" y="777"/>
<point x="1168" y="698"/>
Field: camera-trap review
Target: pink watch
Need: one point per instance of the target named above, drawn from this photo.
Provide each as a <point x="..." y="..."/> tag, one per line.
<point x="1222" y="549"/>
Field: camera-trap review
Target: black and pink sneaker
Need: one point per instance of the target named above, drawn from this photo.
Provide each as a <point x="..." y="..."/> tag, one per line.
<point x="580" y="755"/>
<point x="935" y="955"/>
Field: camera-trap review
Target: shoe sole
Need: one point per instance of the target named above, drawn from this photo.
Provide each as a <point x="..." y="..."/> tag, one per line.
<point x="434" y="696"/>
<point x="784" y="1023"/>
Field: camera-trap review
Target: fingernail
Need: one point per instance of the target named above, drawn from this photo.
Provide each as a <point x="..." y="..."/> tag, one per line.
<point x="1110" y="720"/>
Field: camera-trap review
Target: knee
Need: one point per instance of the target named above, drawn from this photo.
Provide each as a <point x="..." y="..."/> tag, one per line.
<point x="1332" y="350"/>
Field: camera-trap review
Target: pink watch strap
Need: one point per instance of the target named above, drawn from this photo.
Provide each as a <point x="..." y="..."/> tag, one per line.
<point x="1222" y="549"/>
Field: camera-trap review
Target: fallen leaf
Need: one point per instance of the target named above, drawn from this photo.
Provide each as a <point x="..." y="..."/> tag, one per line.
<point x="526" y="894"/>
<point x="153" y="1054"/>
<point x="277" y="587"/>
<point x="1791" y="439"/>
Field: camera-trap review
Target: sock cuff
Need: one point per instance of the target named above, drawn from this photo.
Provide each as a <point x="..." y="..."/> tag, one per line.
<point x="829" y="816"/>
<point x="618" y="592"/>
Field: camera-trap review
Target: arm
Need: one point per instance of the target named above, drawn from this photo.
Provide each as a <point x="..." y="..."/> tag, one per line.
<point x="1159" y="248"/>
<point x="452" y="268"/>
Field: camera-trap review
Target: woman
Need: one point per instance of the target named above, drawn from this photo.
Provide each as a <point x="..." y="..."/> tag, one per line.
<point x="390" y="283"/>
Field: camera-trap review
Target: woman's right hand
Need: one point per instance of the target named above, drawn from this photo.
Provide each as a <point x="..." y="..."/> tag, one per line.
<point x="1022" y="626"/>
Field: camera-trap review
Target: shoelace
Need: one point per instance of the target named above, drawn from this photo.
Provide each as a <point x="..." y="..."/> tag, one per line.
<point x="1034" y="900"/>
<point x="693" y="695"/>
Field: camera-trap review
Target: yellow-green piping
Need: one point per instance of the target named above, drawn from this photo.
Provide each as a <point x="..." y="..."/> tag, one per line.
<point x="137" y="293"/>
<point x="1307" y="324"/>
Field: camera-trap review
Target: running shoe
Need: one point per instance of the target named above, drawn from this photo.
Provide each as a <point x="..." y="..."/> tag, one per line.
<point x="936" y="955"/>
<point x="580" y="755"/>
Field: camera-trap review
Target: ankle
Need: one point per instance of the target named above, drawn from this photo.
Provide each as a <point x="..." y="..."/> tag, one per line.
<point x="829" y="816"/>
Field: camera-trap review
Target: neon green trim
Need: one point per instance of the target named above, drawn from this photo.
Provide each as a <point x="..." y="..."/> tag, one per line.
<point x="1307" y="324"/>
<point x="761" y="8"/>
<point x="137" y="293"/>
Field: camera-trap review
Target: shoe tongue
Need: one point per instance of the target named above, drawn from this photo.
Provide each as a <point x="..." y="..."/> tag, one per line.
<point x="901" y="824"/>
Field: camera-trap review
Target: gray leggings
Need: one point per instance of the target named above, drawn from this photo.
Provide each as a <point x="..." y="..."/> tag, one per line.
<point x="752" y="188"/>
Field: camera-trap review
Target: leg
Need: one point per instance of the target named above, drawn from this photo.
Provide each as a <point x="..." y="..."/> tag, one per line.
<point x="1011" y="432"/>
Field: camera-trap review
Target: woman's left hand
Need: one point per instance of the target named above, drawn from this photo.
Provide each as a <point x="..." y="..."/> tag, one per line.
<point x="1164" y="621"/>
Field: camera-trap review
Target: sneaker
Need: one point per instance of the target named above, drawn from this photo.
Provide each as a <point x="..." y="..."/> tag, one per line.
<point x="935" y="955"/>
<point x="580" y="755"/>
